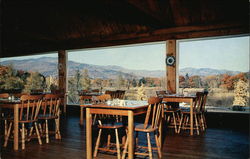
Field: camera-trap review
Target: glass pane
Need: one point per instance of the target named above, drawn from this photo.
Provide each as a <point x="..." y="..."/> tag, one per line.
<point x="29" y="73"/>
<point x="117" y="68"/>
<point x="220" y="66"/>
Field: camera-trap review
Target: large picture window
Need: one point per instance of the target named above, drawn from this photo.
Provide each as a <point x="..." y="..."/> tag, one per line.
<point x="117" y="68"/>
<point x="220" y="66"/>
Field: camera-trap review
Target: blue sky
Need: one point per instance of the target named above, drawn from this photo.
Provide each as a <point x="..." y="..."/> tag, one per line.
<point x="223" y="53"/>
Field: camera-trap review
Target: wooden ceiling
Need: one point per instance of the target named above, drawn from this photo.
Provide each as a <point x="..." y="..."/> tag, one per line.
<point x="39" y="26"/>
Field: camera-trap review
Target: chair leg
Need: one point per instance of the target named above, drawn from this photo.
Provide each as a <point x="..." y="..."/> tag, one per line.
<point x="204" y="119"/>
<point x="38" y="134"/>
<point x="97" y="142"/>
<point x="23" y="137"/>
<point x="202" y="122"/>
<point x="5" y="127"/>
<point x="136" y="138"/>
<point x="31" y="131"/>
<point x="7" y="135"/>
<point x="108" y="139"/>
<point x="168" y="119"/>
<point x="186" y="121"/>
<point x="57" y="129"/>
<point x="149" y="147"/>
<point x="175" y="125"/>
<point x="158" y="146"/>
<point x="180" y="123"/>
<point x="117" y="144"/>
<point x="125" y="149"/>
<point x="40" y="128"/>
<point x="47" y="131"/>
<point x="196" y="123"/>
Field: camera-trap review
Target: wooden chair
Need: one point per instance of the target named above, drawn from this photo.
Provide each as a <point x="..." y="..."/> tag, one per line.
<point x="161" y="93"/>
<point x="28" y="115"/>
<point x="120" y="94"/>
<point x="50" y="110"/>
<point x="95" y="90"/>
<point x="111" y="93"/>
<point x="84" y="99"/>
<point x="4" y="95"/>
<point x="185" y="114"/>
<point x="5" y="116"/>
<point x="153" y="118"/>
<point x="171" y="111"/>
<point x="203" y="111"/>
<point x="171" y="115"/>
<point x="57" y="91"/>
<point x="108" y="123"/>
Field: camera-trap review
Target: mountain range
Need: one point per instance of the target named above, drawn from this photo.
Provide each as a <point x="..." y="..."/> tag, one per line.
<point x="48" y="66"/>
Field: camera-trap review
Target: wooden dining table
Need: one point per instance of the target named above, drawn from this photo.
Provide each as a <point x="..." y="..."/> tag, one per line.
<point x="15" y="105"/>
<point x="8" y="104"/>
<point x="129" y="110"/>
<point x="186" y="99"/>
<point x="82" y="109"/>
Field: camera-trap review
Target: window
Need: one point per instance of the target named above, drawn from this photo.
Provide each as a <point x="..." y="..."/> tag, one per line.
<point x="220" y="66"/>
<point x="27" y="73"/>
<point x="117" y="68"/>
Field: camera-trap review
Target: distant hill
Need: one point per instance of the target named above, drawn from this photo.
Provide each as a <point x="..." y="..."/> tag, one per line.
<point x="205" y="71"/>
<point x="48" y="66"/>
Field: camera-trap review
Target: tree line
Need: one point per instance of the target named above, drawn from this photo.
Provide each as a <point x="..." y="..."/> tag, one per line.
<point x="11" y="78"/>
<point x="212" y="81"/>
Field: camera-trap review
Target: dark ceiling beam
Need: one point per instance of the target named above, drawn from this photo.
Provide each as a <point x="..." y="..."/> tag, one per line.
<point x="123" y="39"/>
<point x="159" y="10"/>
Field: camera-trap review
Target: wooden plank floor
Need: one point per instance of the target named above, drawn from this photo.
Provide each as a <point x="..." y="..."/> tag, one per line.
<point x="215" y="143"/>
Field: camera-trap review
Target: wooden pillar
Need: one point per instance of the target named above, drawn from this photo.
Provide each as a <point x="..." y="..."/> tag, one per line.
<point x="62" y="71"/>
<point x="171" y="69"/>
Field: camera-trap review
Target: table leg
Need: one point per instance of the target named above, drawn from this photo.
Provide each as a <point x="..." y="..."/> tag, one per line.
<point x="81" y="115"/>
<point x="88" y="133"/>
<point x="130" y="134"/>
<point x="191" y="118"/>
<point x="16" y="118"/>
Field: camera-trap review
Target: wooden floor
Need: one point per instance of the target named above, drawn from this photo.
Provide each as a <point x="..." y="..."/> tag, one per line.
<point x="214" y="143"/>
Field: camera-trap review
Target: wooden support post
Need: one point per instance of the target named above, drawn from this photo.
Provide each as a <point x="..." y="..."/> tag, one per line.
<point x="62" y="70"/>
<point x="171" y="70"/>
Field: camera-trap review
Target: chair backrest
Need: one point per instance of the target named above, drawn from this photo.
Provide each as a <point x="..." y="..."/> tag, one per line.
<point x="120" y="94"/>
<point x="154" y="112"/>
<point x="95" y="90"/>
<point x="85" y="99"/>
<point x="57" y="91"/>
<point x="30" y="106"/>
<point x="197" y="105"/>
<point x="4" y="95"/>
<point x="103" y="98"/>
<point x="204" y="100"/>
<point x="111" y="93"/>
<point x="18" y="95"/>
<point x="51" y="104"/>
<point x="161" y="93"/>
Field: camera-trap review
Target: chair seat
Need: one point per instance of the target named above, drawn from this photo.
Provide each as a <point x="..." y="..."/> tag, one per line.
<point x="170" y="110"/>
<point x="187" y="111"/>
<point x="111" y="126"/>
<point x="47" y="116"/>
<point x="140" y="127"/>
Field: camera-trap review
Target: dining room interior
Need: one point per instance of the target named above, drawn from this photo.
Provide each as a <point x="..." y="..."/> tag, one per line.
<point x="124" y="79"/>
